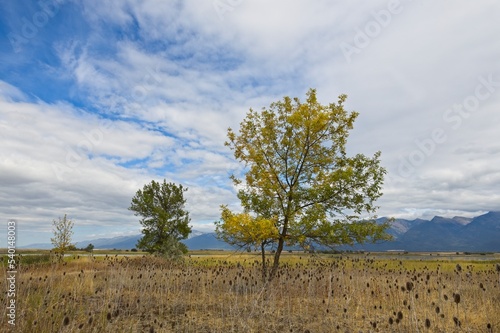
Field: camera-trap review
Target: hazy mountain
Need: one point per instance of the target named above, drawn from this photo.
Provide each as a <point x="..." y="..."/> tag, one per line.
<point x="206" y="241"/>
<point x="438" y="234"/>
<point x="463" y="220"/>
<point x="120" y="242"/>
<point x="483" y="233"/>
<point x="479" y="234"/>
<point x="400" y="226"/>
<point x="38" y="246"/>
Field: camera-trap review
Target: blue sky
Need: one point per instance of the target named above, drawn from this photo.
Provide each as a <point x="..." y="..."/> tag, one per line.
<point x="99" y="98"/>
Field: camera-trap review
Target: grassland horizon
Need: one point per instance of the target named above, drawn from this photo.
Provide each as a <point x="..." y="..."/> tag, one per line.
<point x="221" y="291"/>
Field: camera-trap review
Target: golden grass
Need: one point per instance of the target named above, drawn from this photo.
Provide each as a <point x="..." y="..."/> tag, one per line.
<point x="217" y="292"/>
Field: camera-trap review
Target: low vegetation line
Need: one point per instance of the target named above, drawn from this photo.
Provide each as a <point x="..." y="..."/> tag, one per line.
<point x="217" y="293"/>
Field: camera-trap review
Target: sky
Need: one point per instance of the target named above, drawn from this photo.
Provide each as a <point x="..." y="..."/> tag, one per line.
<point x="98" y="98"/>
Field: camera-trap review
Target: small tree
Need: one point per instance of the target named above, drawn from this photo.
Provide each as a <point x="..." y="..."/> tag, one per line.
<point x="245" y="231"/>
<point x="164" y="220"/>
<point x="63" y="232"/>
<point x="300" y="185"/>
<point x="89" y="248"/>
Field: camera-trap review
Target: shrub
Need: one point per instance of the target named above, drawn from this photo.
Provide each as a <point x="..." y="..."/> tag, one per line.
<point x="35" y="259"/>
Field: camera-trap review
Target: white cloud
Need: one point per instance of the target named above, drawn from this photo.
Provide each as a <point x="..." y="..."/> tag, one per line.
<point x="56" y="159"/>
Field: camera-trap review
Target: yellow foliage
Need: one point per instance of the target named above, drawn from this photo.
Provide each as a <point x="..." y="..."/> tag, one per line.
<point x="243" y="228"/>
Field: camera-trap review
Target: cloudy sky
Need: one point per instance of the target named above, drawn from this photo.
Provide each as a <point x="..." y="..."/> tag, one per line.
<point x="97" y="98"/>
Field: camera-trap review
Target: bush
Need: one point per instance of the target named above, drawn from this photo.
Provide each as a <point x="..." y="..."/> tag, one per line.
<point x="89" y="248"/>
<point x="35" y="259"/>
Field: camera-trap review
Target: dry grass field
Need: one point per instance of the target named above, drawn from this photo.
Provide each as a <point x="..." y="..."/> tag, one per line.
<point x="219" y="292"/>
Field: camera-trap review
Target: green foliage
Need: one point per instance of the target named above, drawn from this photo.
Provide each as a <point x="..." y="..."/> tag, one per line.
<point x="172" y="248"/>
<point x="29" y="259"/>
<point x="300" y="177"/>
<point x="63" y="232"/>
<point x="164" y="220"/>
<point x="89" y="248"/>
<point x="35" y="259"/>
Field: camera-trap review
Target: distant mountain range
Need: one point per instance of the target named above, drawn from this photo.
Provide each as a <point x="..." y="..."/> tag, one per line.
<point x="479" y="234"/>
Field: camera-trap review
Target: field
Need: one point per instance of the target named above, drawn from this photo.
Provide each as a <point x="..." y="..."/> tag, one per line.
<point x="223" y="292"/>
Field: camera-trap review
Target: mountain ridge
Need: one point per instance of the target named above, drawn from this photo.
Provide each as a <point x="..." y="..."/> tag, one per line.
<point x="478" y="234"/>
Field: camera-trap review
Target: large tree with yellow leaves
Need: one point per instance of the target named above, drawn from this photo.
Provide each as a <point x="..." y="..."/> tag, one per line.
<point x="300" y="186"/>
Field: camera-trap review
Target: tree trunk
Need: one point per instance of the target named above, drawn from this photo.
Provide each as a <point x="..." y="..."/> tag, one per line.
<point x="281" y="243"/>
<point x="277" y="255"/>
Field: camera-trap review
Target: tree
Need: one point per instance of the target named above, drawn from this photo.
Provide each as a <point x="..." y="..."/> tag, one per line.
<point x="300" y="187"/>
<point x="244" y="230"/>
<point x="63" y="231"/>
<point x="164" y="220"/>
<point x="89" y="248"/>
